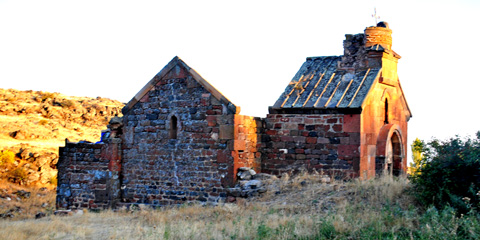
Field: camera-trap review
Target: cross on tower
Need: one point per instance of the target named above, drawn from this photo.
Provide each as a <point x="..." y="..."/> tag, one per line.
<point x="374" y="15"/>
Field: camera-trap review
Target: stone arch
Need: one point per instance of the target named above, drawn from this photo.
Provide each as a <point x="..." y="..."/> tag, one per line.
<point x="389" y="157"/>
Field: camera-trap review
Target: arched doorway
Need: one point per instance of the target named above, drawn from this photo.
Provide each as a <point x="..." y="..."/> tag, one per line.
<point x="393" y="158"/>
<point x="389" y="158"/>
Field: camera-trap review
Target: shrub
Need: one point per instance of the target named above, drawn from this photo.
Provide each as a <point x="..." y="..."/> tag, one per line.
<point x="19" y="175"/>
<point x="450" y="175"/>
<point x="7" y="157"/>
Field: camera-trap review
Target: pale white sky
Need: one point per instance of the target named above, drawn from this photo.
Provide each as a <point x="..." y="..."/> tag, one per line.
<point x="249" y="50"/>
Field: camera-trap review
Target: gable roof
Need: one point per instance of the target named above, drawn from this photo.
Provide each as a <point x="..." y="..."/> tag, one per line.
<point x="176" y="61"/>
<point x="320" y="85"/>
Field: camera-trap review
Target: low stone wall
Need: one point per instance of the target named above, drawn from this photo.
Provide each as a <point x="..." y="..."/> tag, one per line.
<point x="88" y="175"/>
<point x="295" y="142"/>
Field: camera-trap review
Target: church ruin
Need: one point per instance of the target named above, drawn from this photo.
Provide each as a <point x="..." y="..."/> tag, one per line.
<point x="181" y="140"/>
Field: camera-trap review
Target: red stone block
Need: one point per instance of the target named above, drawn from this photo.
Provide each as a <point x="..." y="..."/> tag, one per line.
<point x="337" y="127"/>
<point x="308" y="121"/>
<point x="332" y="120"/>
<point x="311" y="140"/>
<point x="299" y="150"/>
<point x="211" y="112"/>
<point x="351" y="123"/>
<point x="272" y="156"/>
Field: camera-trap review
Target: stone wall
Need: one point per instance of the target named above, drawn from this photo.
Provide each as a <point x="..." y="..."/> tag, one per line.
<point x="293" y="142"/>
<point x="88" y="175"/>
<point x="247" y="151"/>
<point x="377" y="115"/>
<point x="178" y="142"/>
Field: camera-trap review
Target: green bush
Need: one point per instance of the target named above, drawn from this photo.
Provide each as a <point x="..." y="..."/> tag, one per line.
<point x="7" y="157"/>
<point x="450" y="175"/>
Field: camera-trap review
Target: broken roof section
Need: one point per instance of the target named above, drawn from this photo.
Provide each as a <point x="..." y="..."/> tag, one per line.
<point x="174" y="65"/>
<point x="320" y="85"/>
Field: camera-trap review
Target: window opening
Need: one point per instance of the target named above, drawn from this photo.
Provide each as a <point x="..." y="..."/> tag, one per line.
<point x="173" y="127"/>
<point x="386" y="111"/>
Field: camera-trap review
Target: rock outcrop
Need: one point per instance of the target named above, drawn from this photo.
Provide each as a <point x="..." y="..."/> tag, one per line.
<point x="33" y="124"/>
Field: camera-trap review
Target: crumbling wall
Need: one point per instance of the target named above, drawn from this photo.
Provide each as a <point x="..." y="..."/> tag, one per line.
<point x="247" y="145"/>
<point x="88" y="175"/>
<point x="294" y="142"/>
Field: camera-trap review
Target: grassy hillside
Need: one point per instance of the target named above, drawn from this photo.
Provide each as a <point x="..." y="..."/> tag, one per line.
<point x="34" y="124"/>
<point x="299" y="208"/>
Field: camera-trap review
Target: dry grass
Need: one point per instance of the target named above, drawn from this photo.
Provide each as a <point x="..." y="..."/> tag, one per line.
<point x="289" y="210"/>
<point x="41" y="199"/>
<point x="300" y="208"/>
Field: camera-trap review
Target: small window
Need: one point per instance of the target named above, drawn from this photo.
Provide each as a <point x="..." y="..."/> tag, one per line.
<point x="173" y="127"/>
<point x="386" y="111"/>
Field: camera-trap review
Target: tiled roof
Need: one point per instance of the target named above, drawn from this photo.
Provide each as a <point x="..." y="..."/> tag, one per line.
<point x="320" y="85"/>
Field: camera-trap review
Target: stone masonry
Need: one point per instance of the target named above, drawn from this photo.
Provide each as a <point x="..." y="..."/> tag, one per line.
<point x="89" y="175"/>
<point x="180" y="140"/>
<point x="296" y="142"/>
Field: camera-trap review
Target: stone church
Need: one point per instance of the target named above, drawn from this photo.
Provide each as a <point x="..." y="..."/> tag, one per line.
<point x="180" y="140"/>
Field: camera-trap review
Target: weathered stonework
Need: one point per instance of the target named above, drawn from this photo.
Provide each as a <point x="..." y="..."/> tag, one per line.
<point x="89" y="175"/>
<point x="181" y="140"/>
<point x="175" y="153"/>
<point x="294" y="142"/>
<point x="247" y="149"/>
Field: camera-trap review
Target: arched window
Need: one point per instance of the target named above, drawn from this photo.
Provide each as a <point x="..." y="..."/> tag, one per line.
<point x="386" y="111"/>
<point x="173" y="127"/>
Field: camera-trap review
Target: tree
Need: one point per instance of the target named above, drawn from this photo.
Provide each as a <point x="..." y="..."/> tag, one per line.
<point x="417" y="155"/>
<point x="449" y="174"/>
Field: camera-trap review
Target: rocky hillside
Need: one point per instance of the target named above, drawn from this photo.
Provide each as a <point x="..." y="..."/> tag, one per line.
<point x="33" y="124"/>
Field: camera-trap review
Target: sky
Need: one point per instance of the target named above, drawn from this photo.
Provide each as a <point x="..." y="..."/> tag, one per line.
<point x="249" y="50"/>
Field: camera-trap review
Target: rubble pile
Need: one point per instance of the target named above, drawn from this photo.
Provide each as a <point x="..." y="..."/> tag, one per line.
<point x="249" y="183"/>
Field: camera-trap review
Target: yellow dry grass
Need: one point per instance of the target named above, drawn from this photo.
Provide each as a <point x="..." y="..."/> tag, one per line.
<point x="290" y="210"/>
<point x="41" y="199"/>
